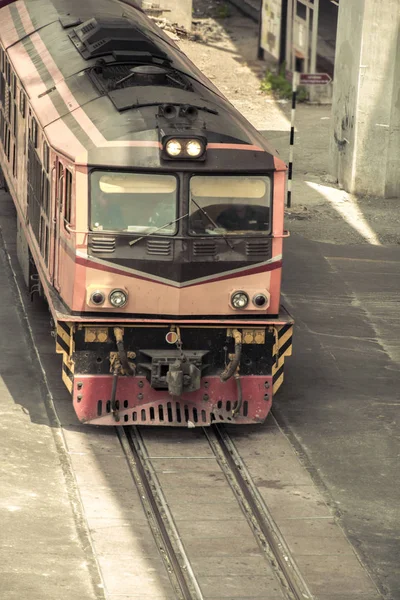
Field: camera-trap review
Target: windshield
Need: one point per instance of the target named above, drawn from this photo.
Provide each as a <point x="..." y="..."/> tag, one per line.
<point x="134" y="202"/>
<point x="227" y="204"/>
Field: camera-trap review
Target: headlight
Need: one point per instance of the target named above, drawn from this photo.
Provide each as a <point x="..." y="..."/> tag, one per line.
<point x="183" y="148"/>
<point x="97" y="298"/>
<point x="194" y="148"/>
<point x="118" y="298"/>
<point x="173" y="148"/>
<point x="239" y="299"/>
<point x="260" y="300"/>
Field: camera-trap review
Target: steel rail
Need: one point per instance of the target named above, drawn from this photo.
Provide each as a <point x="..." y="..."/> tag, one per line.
<point x="159" y="515"/>
<point x="257" y="514"/>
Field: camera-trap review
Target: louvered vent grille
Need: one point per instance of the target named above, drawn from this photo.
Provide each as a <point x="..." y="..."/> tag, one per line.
<point x="159" y="247"/>
<point x="102" y="244"/>
<point x="174" y="412"/>
<point x="257" y="247"/>
<point x="99" y="44"/>
<point x="88" y="27"/>
<point x="204" y="248"/>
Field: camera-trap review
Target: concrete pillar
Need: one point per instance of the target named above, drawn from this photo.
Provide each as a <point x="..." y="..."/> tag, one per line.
<point x="365" y="147"/>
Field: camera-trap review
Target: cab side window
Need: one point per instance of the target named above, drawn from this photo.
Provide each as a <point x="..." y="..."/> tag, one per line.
<point x="68" y="197"/>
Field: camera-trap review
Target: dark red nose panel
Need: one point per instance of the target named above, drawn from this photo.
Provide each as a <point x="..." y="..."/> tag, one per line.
<point x="137" y="403"/>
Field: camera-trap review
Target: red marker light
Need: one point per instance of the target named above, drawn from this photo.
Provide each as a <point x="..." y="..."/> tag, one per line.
<point x="171" y="337"/>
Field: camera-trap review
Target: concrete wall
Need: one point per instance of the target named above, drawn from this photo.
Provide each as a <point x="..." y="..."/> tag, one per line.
<point x="365" y="146"/>
<point x="393" y="166"/>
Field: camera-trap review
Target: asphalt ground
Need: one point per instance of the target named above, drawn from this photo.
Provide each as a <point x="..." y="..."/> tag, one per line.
<point x="45" y="550"/>
<point x="341" y="396"/>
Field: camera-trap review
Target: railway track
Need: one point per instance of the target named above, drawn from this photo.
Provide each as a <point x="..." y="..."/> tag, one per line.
<point x="186" y="580"/>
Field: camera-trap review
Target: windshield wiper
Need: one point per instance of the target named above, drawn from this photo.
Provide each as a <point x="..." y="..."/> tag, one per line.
<point x="132" y="242"/>
<point x="213" y="223"/>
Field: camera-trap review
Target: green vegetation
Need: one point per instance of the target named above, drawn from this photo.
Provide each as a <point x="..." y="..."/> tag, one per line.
<point x="222" y="12"/>
<point x="280" y="87"/>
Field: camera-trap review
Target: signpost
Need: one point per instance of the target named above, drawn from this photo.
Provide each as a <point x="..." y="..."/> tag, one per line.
<point x="302" y="79"/>
<point x="295" y="79"/>
<point x="315" y="78"/>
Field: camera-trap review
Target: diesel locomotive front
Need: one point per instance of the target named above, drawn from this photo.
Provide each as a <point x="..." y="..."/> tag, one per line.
<point x="150" y="215"/>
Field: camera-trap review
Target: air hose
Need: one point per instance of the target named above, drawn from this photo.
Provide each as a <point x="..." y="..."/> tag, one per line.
<point x="232" y="369"/>
<point x="233" y="364"/>
<point x="119" y="337"/>
<point x="113" y="402"/>
<point x="239" y="401"/>
<point x="120" y="366"/>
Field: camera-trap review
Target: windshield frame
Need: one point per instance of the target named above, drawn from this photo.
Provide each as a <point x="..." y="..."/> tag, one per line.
<point x="125" y="232"/>
<point x="225" y="233"/>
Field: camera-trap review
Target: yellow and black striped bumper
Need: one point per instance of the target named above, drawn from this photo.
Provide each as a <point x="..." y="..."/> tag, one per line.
<point x="282" y="348"/>
<point x="65" y="346"/>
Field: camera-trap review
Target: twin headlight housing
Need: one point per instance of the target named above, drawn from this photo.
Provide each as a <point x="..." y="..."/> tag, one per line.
<point x="183" y="148"/>
<point x="241" y="300"/>
<point x="117" y="298"/>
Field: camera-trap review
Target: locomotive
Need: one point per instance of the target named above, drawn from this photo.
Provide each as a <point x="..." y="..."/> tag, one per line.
<point x="150" y="215"/>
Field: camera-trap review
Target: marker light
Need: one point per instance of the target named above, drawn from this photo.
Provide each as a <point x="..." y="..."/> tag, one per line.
<point x="260" y="300"/>
<point x="194" y="148"/>
<point x="173" y="147"/>
<point x="97" y="298"/>
<point x="118" y="298"/>
<point x="239" y="299"/>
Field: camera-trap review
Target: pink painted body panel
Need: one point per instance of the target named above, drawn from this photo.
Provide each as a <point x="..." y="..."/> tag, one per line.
<point x="277" y="232"/>
<point x="148" y="296"/>
<point x="9" y="34"/>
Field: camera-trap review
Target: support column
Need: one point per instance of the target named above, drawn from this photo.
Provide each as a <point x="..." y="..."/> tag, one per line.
<point x="365" y="147"/>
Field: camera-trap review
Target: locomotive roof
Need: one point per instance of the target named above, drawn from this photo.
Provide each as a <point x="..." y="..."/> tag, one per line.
<point x="96" y="84"/>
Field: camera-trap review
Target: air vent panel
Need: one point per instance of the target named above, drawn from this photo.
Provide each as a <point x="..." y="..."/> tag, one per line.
<point x="258" y="247"/>
<point x="89" y="27"/>
<point x="99" y="37"/>
<point x="102" y="244"/>
<point x="159" y="247"/>
<point x="204" y="248"/>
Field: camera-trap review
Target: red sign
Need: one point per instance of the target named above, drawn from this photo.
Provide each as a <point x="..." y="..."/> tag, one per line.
<point x="314" y="78"/>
